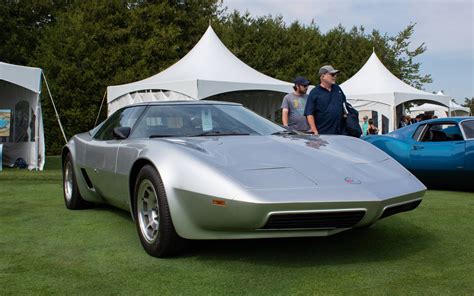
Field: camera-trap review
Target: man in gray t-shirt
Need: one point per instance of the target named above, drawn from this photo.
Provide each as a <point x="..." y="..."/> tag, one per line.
<point x="293" y="106"/>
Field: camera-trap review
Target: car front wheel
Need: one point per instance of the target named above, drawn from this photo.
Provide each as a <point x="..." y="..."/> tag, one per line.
<point x="72" y="197"/>
<point x="152" y="215"/>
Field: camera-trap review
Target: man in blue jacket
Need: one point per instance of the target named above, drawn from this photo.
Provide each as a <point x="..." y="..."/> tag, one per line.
<point x="324" y="107"/>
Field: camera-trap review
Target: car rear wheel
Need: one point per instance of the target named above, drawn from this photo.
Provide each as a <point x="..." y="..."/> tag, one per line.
<point x="152" y="215"/>
<point x="72" y="197"/>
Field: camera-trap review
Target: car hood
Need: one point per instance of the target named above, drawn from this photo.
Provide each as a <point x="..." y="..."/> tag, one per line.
<point x="287" y="161"/>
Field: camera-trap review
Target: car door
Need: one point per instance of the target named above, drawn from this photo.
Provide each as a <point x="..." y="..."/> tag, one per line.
<point x="102" y="155"/>
<point x="439" y="151"/>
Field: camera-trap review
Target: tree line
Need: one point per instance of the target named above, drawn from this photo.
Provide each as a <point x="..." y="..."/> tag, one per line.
<point x="85" y="46"/>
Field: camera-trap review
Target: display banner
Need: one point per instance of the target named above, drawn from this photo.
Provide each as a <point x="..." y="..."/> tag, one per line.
<point x="5" y="118"/>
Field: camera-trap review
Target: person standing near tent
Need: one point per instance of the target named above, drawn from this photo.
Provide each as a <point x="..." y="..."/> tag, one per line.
<point x="293" y="105"/>
<point x="365" y="125"/>
<point x="373" y="130"/>
<point x="404" y="122"/>
<point x="324" y="108"/>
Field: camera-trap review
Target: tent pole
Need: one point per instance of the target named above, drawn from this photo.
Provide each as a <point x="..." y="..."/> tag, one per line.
<point x="100" y="108"/>
<point x="37" y="133"/>
<point x="54" y="106"/>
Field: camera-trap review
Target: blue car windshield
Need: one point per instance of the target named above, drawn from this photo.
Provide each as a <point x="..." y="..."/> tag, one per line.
<point x="468" y="127"/>
<point x="194" y="120"/>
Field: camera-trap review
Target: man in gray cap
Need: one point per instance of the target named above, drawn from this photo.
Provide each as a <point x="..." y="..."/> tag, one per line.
<point x="324" y="107"/>
<point x="293" y="106"/>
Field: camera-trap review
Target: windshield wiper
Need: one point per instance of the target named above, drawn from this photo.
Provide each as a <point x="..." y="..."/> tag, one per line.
<point x="217" y="133"/>
<point x="162" y="136"/>
<point x="286" y="132"/>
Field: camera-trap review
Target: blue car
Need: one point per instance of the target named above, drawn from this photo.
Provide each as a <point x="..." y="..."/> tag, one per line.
<point x="439" y="152"/>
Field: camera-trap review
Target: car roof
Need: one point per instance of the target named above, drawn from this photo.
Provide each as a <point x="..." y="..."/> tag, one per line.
<point x="455" y="119"/>
<point x="185" y="102"/>
<point x="443" y="119"/>
<point x="408" y="130"/>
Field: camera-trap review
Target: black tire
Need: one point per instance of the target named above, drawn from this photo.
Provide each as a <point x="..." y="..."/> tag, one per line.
<point x="72" y="197"/>
<point x="152" y="216"/>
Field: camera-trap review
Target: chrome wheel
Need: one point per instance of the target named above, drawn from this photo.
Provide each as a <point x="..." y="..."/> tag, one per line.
<point x="71" y="194"/>
<point x="68" y="181"/>
<point x="148" y="211"/>
<point x="152" y="215"/>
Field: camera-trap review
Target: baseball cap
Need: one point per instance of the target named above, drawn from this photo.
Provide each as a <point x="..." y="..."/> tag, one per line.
<point x="300" y="80"/>
<point x="327" y="69"/>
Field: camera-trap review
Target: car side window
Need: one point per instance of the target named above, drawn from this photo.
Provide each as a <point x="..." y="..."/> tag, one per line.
<point x="418" y="131"/>
<point x="442" y="132"/>
<point x="122" y="118"/>
<point x="468" y="127"/>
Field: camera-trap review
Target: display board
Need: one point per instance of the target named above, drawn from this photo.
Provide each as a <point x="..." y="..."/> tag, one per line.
<point x="5" y="119"/>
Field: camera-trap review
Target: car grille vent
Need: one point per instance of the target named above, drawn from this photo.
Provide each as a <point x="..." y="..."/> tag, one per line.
<point x="400" y="208"/>
<point x="86" y="178"/>
<point x="327" y="220"/>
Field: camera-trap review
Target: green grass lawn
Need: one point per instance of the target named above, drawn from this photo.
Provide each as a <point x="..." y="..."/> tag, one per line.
<point x="47" y="249"/>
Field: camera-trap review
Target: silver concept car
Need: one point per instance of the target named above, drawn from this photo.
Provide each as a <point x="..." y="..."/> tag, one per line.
<point x="215" y="170"/>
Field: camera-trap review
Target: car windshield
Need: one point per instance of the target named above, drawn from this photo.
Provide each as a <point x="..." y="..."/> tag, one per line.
<point x="196" y="120"/>
<point x="468" y="127"/>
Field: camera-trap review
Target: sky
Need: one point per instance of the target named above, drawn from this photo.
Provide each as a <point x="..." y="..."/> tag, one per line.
<point x="445" y="26"/>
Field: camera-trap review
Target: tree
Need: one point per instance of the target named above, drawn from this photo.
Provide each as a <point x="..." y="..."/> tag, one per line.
<point x="405" y="68"/>
<point x="85" y="46"/>
<point x="469" y="103"/>
<point x="111" y="42"/>
<point x="22" y="23"/>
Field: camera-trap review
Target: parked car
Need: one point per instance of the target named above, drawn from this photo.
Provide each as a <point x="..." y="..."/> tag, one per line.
<point x="215" y="170"/>
<point x="440" y="152"/>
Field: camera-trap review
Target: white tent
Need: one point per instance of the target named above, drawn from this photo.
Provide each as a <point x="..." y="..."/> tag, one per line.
<point x="440" y="111"/>
<point x="21" y="128"/>
<point x="208" y="71"/>
<point x="456" y="109"/>
<point x="375" y="88"/>
<point x="437" y="110"/>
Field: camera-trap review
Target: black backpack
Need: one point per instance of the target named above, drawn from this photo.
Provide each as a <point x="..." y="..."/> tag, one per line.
<point x="20" y="163"/>
<point x="351" y="119"/>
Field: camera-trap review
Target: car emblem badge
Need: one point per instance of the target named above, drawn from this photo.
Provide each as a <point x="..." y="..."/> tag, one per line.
<point x="352" y="180"/>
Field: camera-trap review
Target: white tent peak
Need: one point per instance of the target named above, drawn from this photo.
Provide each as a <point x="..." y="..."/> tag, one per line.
<point x="208" y="61"/>
<point x="375" y="89"/>
<point x="453" y="106"/>
<point x="375" y="78"/>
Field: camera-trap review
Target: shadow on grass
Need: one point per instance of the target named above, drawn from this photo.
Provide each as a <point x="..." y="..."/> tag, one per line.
<point x="390" y="239"/>
<point x="111" y="209"/>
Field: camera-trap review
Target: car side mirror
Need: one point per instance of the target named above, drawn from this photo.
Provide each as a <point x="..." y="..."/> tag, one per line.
<point x="122" y="132"/>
